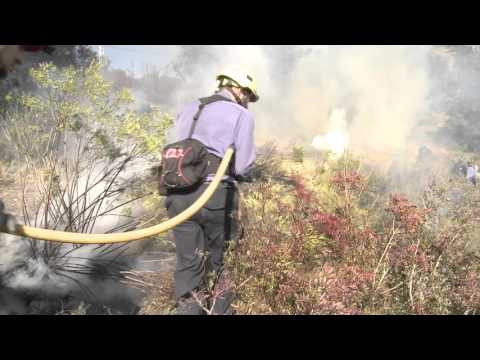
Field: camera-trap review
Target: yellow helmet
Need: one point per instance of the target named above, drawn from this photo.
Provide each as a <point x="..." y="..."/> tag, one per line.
<point x="241" y="78"/>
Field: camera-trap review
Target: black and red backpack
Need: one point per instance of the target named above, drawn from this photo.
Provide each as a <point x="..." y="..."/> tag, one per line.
<point x="187" y="162"/>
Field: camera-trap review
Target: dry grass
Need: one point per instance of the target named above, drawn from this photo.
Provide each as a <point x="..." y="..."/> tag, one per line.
<point x="13" y="181"/>
<point x="161" y="298"/>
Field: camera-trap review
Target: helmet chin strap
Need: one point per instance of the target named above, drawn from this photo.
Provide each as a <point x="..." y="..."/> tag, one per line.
<point x="237" y="98"/>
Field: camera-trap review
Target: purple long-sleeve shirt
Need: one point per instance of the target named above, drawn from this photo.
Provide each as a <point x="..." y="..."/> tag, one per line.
<point x="220" y="125"/>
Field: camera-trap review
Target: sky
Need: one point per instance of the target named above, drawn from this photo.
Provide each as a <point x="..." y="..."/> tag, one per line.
<point x="135" y="57"/>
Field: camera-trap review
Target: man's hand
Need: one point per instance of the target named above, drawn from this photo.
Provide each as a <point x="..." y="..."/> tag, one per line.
<point x="7" y="221"/>
<point x="244" y="178"/>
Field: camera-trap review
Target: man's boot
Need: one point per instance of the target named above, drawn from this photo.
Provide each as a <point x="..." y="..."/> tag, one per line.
<point x="188" y="305"/>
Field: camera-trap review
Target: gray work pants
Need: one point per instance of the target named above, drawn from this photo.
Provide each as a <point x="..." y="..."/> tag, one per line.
<point x="201" y="242"/>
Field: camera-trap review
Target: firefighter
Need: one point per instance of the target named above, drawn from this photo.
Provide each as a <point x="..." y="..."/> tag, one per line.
<point x="202" y="240"/>
<point x="472" y="170"/>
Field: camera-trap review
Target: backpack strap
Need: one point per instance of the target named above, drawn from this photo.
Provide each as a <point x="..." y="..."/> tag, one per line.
<point x="203" y="103"/>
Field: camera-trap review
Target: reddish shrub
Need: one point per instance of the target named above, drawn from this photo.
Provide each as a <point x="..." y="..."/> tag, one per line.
<point x="409" y="215"/>
<point x="350" y="181"/>
<point x="302" y="194"/>
<point x="331" y="225"/>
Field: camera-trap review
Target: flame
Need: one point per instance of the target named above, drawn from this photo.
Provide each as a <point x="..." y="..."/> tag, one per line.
<point x="336" y="140"/>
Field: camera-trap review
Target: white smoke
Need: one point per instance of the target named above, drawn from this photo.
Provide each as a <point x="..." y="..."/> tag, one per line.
<point x="20" y="273"/>
<point x="383" y="89"/>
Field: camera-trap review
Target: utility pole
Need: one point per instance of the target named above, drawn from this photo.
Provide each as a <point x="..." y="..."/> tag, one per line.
<point x="101" y="51"/>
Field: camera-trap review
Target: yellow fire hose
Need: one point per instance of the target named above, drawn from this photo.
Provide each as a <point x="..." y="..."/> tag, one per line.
<point x="80" y="238"/>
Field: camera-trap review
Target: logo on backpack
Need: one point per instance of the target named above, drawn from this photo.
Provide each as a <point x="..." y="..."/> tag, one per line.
<point x="175" y="153"/>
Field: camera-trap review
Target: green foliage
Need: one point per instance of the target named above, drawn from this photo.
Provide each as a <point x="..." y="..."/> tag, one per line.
<point x="77" y="102"/>
<point x="298" y="154"/>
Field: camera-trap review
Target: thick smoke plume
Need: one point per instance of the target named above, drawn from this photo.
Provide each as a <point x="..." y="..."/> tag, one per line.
<point x="384" y="90"/>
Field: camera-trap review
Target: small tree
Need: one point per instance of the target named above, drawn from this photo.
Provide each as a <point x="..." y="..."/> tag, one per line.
<point x="298" y="154"/>
<point x="77" y="139"/>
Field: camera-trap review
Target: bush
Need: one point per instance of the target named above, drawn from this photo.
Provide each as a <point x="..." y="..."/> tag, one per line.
<point x="306" y="253"/>
<point x="298" y="154"/>
<point x="84" y="146"/>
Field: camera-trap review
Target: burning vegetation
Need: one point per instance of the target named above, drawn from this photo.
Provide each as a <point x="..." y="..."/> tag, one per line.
<point x="360" y="206"/>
